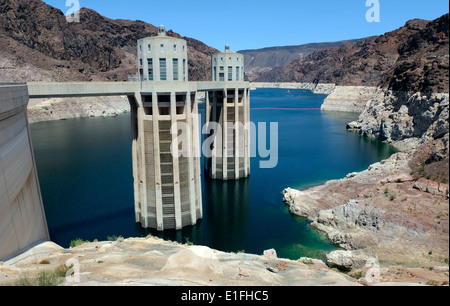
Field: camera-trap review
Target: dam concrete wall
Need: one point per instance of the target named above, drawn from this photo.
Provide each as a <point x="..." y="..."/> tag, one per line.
<point x="22" y="217"/>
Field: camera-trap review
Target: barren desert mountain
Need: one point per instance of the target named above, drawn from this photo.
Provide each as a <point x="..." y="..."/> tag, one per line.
<point x="413" y="58"/>
<point x="37" y="43"/>
<point x="260" y="61"/>
<point x="423" y="61"/>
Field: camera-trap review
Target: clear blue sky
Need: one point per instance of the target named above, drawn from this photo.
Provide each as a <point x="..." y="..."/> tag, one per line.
<point x="251" y="24"/>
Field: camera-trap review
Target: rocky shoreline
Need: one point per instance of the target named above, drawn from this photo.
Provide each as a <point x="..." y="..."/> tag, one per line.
<point x="321" y="88"/>
<point x="405" y="119"/>
<point x="40" y="110"/>
<point x="396" y="211"/>
<point x="348" y="99"/>
<point x="68" y="108"/>
<point x="383" y="213"/>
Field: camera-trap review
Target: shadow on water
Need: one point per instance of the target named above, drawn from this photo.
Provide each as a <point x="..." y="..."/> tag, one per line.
<point x="227" y="209"/>
<point x="223" y="226"/>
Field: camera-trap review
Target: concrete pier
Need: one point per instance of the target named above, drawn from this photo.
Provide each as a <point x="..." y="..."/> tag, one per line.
<point x="22" y="218"/>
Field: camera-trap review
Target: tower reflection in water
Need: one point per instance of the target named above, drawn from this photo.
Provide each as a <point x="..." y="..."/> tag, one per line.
<point x="225" y="215"/>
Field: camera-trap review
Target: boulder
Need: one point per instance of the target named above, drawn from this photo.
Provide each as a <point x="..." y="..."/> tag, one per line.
<point x="196" y="259"/>
<point x="421" y="184"/>
<point x="347" y="260"/>
<point x="270" y="254"/>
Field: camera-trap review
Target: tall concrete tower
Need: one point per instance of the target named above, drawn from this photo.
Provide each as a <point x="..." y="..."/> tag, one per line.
<point x="229" y="109"/>
<point x="167" y="178"/>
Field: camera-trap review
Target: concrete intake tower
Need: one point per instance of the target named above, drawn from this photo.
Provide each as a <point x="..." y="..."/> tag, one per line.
<point x="167" y="184"/>
<point x="229" y="110"/>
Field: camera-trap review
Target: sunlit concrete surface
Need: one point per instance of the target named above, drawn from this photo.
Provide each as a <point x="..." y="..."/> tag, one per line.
<point x="22" y="218"/>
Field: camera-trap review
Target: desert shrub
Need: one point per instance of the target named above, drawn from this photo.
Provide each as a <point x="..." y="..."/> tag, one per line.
<point x="77" y="242"/>
<point x="433" y="282"/>
<point x="47" y="278"/>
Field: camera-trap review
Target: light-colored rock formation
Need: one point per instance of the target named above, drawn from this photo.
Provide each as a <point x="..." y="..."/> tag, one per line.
<point x="432" y="187"/>
<point x="347" y="260"/>
<point x="196" y="259"/>
<point x="351" y="226"/>
<point x="303" y="204"/>
<point x="154" y="262"/>
<point x="66" y="108"/>
<point x="323" y="88"/>
<point x="315" y="88"/>
<point x="270" y="254"/>
<point x="349" y="99"/>
<point x="150" y="262"/>
<point x="404" y="119"/>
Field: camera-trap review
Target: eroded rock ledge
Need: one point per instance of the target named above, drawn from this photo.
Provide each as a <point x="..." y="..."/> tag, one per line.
<point x="349" y="99"/>
<point x="321" y="88"/>
<point x="154" y="262"/>
<point x="383" y="213"/>
<point x="405" y="119"/>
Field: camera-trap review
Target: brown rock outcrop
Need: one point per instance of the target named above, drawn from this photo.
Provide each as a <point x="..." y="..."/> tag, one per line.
<point x="435" y="188"/>
<point x="411" y="58"/>
<point x="37" y="43"/>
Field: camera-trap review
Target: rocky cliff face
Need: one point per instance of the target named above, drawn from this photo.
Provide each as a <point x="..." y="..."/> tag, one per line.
<point x="399" y="81"/>
<point x="411" y="58"/>
<point x="348" y="98"/>
<point x="260" y="61"/>
<point x="37" y="43"/>
<point x="410" y="108"/>
<point x="423" y="60"/>
<point x="397" y="209"/>
<point x="405" y="117"/>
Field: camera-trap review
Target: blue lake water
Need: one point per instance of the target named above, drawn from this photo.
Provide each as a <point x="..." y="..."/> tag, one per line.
<point x="85" y="173"/>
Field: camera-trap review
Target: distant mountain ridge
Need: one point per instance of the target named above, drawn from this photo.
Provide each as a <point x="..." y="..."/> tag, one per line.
<point x="37" y="43"/>
<point x="411" y="58"/>
<point x="259" y="61"/>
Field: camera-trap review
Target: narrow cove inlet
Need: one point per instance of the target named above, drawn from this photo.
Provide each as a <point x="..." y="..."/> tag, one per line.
<point x="85" y="174"/>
